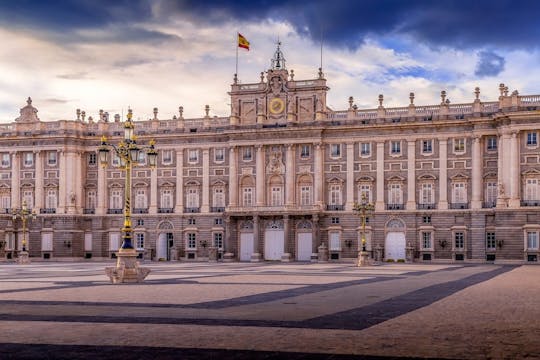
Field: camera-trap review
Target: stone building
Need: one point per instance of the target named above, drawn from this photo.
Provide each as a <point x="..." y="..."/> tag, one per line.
<point x="280" y="176"/>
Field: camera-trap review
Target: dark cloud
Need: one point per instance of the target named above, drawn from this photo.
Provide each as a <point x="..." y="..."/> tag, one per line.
<point x="489" y="64"/>
<point x="73" y="76"/>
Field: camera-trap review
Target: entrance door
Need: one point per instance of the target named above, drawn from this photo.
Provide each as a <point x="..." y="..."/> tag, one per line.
<point x="162" y="247"/>
<point x="274" y="244"/>
<point x="305" y="244"/>
<point x="246" y="246"/>
<point x="394" y="246"/>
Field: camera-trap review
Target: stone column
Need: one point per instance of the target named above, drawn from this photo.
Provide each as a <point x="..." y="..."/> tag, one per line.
<point x="501" y="196"/>
<point x="476" y="201"/>
<point x="379" y="203"/>
<point x="62" y="186"/>
<point x="233" y="177"/>
<point x="316" y="237"/>
<point x="411" y="175"/>
<point x="256" y="256"/>
<point x="287" y="240"/>
<point x="153" y="192"/>
<point x="260" y="188"/>
<point x="319" y="174"/>
<point x="514" y="201"/>
<point x="443" y="174"/>
<point x="289" y="180"/>
<point x="38" y="203"/>
<point x="15" y="180"/>
<point x="101" y="191"/>
<point x="179" y="206"/>
<point x="69" y="182"/>
<point x="79" y="203"/>
<point x="205" y="208"/>
<point x="350" y="177"/>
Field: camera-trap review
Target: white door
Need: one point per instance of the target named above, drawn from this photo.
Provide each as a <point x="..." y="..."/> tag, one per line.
<point x="246" y="246"/>
<point x="274" y="241"/>
<point x="305" y="245"/>
<point x="162" y="246"/>
<point x="394" y="246"/>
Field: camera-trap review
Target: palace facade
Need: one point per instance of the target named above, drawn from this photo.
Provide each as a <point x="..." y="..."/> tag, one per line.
<point x="279" y="177"/>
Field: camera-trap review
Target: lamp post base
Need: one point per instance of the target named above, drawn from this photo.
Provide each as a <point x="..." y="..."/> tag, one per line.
<point x="127" y="268"/>
<point x="23" y="258"/>
<point x="363" y="258"/>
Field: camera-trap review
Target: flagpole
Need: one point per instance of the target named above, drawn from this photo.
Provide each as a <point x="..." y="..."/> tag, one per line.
<point x="236" y="69"/>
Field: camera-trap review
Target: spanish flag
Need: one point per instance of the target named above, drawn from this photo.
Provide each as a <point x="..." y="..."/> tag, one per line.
<point x="243" y="42"/>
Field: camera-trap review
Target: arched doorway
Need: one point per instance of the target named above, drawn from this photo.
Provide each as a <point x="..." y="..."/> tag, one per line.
<point x="304" y="240"/>
<point x="274" y="240"/>
<point x="394" y="244"/>
<point x="165" y="241"/>
<point x="246" y="240"/>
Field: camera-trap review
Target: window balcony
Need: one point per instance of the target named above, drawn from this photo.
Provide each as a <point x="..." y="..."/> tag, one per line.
<point x="192" y="209"/>
<point x="89" y="211"/>
<point x="530" y="202"/>
<point x="459" y="206"/>
<point x="115" y="211"/>
<point x="426" y="206"/>
<point x="217" y="209"/>
<point x="489" y="204"/>
<point x="47" y="211"/>
<point x="335" y="207"/>
<point x="165" y="210"/>
<point x="395" y="206"/>
<point x="140" y="211"/>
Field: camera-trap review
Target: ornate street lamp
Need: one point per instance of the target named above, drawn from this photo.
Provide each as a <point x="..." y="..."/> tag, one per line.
<point x="24" y="214"/>
<point x="363" y="209"/>
<point x="128" y="152"/>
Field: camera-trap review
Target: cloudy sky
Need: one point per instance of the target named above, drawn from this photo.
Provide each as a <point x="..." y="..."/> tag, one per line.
<point x="107" y="54"/>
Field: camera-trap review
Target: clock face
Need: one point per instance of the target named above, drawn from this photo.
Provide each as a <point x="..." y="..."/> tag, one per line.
<point x="277" y="106"/>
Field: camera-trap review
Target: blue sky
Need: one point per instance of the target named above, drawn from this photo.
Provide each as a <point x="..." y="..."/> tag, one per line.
<point x="99" y="54"/>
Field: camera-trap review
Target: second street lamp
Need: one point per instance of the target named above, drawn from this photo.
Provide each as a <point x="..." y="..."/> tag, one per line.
<point x="363" y="209"/>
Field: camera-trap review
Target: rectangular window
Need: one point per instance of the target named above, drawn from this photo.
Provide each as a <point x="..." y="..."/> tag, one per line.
<point x="51" y="199"/>
<point x="28" y="159"/>
<point x="191" y="221"/>
<point x="115" y="159"/>
<point x="426" y="240"/>
<point x="305" y="151"/>
<point x="491" y="192"/>
<point x="459" y="240"/>
<point x="426" y="219"/>
<point x="365" y="192"/>
<point x="192" y="200"/>
<point x="305" y="195"/>
<point x="531" y="189"/>
<point x="166" y="157"/>
<point x="491" y="143"/>
<point x="218" y="221"/>
<point x="532" y="240"/>
<point x="247" y="197"/>
<point x="219" y="155"/>
<point x="140" y="222"/>
<point x="335" y="241"/>
<point x="218" y="240"/>
<point x="335" y="150"/>
<point x="395" y="194"/>
<point x="219" y="197"/>
<point x="5" y="201"/>
<point x="114" y="241"/>
<point x="191" y="241"/>
<point x="277" y="196"/>
<point x="247" y="154"/>
<point x="490" y="241"/>
<point x="92" y="159"/>
<point x="365" y="149"/>
<point x="193" y="156"/>
<point x="459" y="193"/>
<point x="139" y="237"/>
<point x="395" y="147"/>
<point x="142" y="158"/>
<point x="459" y="145"/>
<point x="335" y="194"/>
<point x="427" y="146"/>
<point x="6" y="160"/>
<point x="426" y="197"/>
<point x="531" y="139"/>
<point x="166" y="198"/>
<point x="141" y="201"/>
<point x="51" y="158"/>
<point x="116" y="199"/>
<point x="335" y="220"/>
<point x="28" y="197"/>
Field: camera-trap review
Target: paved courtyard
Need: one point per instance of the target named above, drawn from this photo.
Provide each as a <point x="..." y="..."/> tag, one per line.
<point x="270" y="311"/>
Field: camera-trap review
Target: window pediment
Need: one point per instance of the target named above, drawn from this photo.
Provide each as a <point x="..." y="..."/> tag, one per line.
<point x="396" y="179"/>
<point x="531" y="173"/>
<point x="459" y="177"/>
<point x="365" y="179"/>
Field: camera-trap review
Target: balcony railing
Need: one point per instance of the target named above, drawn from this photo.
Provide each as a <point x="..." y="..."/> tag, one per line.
<point x="192" y="209"/>
<point x="89" y="211"/>
<point x="459" y="206"/>
<point x="47" y="211"/>
<point x="115" y="211"/>
<point x="165" y="210"/>
<point x="426" y="206"/>
<point x="140" y="211"/>
<point x="530" y="202"/>
<point x="395" y="207"/>
<point x="217" y="209"/>
<point x="335" y="207"/>
<point x="489" y="204"/>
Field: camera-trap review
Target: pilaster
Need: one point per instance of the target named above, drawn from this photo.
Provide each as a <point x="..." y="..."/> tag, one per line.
<point x="233" y="177"/>
<point x="15" y="180"/>
<point x="319" y="174"/>
<point x="153" y="192"/>
<point x="205" y="208"/>
<point x="259" y="179"/>
<point x="350" y="177"/>
<point x="476" y="201"/>
<point x="379" y="203"/>
<point x="411" y="175"/>
<point x="443" y="174"/>
<point x="289" y="176"/>
<point x="179" y="203"/>
<point x="514" y="201"/>
<point x="38" y="202"/>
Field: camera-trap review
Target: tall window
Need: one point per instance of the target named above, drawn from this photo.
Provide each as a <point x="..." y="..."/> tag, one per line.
<point x="191" y="241"/>
<point x="335" y="241"/>
<point x="166" y="157"/>
<point x="532" y="240"/>
<point x="335" y="194"/>
<point x="365" y="149"/>
<point x="218" y="240"/>
<point x="5" y="199"/>
<point x="141" y="201"/>
<point x="305" y="195"/>
<point x="364" y="190"/>
<point x="491" y="143"/>
<point x="531" y="189"/>
<point x="219" y="197"/>
<point x="426" y="240"/>
<point x="140" y="241"/>
<point x="305" y="151"/>
<point x="192" y="200"/>
<point x="459" y="240"/>
<point x="28" y="159"/>
<point x="6" y="160"/>
<point x="51" y="158"/>
<point x="427" y="146"/>
<point x="91" y="199"/>
<point x="491" y="192"/>
<point x="459" y="193"/>
<point x="166" y="198"/>
<point x="28" y="197"/>
<point x="395" y="195"/>
<point x="92" y="159"/>
<point x="459" y="145"/>
<point x="193" y="156"/>
<point x="219" y="155"/>
<point x="247" y="154"/>
<point x="426" y="196"/>
<point x="51" y="200"/>
<point x="395" y="147"/>
<point x="115" y="159"/>
<point x="277" y="195"/>
<point x="531" y="139"/>
<point x="490" y="241"/>
<point x="116" y="199"/>
<point x="335" y="150"/>
<point x="142" y="158"/>
<point x="247" y="196"/>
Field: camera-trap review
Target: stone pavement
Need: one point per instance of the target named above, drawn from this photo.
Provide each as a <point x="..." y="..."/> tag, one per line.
<point x="270" y="311"/>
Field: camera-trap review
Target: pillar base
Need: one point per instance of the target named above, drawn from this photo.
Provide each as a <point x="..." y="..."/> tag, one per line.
<point x="23" y="258"/>
<point x="127" y="268"/>
<point x="255" y="257"/>
<point x="228" y="257"/>
<point x="363" y="259"/>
